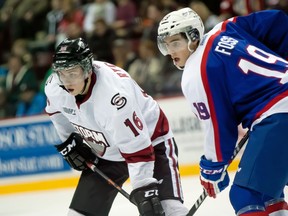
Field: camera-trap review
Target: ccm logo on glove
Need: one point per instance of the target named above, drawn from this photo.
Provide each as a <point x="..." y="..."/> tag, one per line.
<point x="211" y="172"/>
<point x="68" y="148"/>
<point x="150" y="193"/>
<point x="213" y="176"/>
<point x="147" y="200"/>
<point x="75" y="152"/>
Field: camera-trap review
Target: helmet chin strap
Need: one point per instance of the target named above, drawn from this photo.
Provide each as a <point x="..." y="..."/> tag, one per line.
<point x="189" y="44"/>
<point x="180" y="68"/>
<point x="85" y="85"/>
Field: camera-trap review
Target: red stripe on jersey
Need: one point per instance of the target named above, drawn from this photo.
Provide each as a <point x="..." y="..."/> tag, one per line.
<point x="174" y="165"/>
<point x="209" y="95"/>
<point x="208" y="91"/>
<point x="254" y="214"/>
<point x="233" y="20"/>
<point x="271" y="103"/>
<point x="277" y="207"/>
<point x="144" y="155"/>
<point x="224" y="24"/>
<point x="51" y="114"/>
<point x="162" y="126"/>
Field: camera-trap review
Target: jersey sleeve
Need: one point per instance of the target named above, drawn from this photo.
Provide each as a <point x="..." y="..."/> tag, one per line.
<point x="220" y="122"/>
<point x="131" y="135"/>
<point x="62" y="125"/>
<point x="270" y="27"/>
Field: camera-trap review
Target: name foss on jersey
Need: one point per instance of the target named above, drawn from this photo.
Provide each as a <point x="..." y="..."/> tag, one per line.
<point x="226" y="45"/>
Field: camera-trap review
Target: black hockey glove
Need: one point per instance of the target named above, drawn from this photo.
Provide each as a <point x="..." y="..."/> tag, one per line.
<point x="75" y="152"/>
<point x="147" y="200"/>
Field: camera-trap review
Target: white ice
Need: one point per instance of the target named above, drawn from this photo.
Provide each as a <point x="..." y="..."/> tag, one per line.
<point x="56" y="202"/>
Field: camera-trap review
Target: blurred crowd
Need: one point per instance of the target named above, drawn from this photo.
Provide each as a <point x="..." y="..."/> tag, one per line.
<point x="122" y="32"/>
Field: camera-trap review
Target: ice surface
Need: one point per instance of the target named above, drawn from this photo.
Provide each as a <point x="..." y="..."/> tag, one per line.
<point x="56" y="202"/>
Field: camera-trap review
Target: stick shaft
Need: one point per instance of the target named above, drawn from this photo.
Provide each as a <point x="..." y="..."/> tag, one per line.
<point x="110" y="181"/>
<point x="203" y="196"/>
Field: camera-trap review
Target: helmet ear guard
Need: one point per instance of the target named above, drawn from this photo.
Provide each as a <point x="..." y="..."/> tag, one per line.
<point x="193" y="34"/>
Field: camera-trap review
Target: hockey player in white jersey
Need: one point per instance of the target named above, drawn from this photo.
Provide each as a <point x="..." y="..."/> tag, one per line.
<point x="104" y="117"/>
<point x="237" y="74"/>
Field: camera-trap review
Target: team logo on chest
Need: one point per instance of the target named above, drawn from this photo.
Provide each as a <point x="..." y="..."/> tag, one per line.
<point x="118" y="101"/>
<point x="95" y="139"/>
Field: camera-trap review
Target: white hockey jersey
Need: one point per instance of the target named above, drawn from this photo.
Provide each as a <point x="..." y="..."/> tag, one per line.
<point x="116" y="118"/>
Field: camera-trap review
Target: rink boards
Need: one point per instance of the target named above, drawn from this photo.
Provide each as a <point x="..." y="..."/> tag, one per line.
<point x="28" y="160"/>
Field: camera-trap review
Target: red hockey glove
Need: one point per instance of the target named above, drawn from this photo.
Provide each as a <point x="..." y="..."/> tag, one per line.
<point x="75" y="152"/>
<point x="214" y="177"/>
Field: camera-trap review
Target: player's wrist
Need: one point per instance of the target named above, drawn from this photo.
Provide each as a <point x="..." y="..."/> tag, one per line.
<point x="75" y="152"/>
<point x="213" y="176"/>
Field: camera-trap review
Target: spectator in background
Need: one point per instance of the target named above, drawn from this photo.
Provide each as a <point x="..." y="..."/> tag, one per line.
<point x="169" y="5"/>
<point x="126" y="16"/>
<point x="171" y="83"/>
<point x="145" y="70"/>
<point x="31" y="102"/>
<point x="209" y="19"/>
<point x="53" y="18"/>
<point x="99" y="9"/>
<point x="100" y="41"/>
<point x="43" y="82"/>
<point x="74" y="30"/>
<point x="7" y="9"/>
<point x="28" y="18"/>
<point x="1" y="3"/>
<point x="231" y="8"/>
<point x="6" y="41"/>
<point x="72" y="22"/>
<point x="123" y="53"/>
<point x="20" y="48"/>
<point x="278" y="5"/>
<point x="19" y="77"/>
<point x="155" y="12"/>
<point x="5" y="108"/>
<point x="3" y="75"/>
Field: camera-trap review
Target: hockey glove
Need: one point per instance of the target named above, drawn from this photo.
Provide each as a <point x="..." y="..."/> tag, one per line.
<point x="213" y="176"/>
<point x="147" y="200"/>
<point x="75" y="152"/>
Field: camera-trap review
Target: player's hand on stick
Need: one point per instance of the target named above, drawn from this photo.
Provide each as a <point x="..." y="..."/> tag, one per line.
<point x="213" y="176"/>
<point x="75" y="152"/>
<point x="147" y="200"/>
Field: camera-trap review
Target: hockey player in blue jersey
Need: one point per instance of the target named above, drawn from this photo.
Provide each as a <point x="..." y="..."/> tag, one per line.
<point x="237" y="74"/>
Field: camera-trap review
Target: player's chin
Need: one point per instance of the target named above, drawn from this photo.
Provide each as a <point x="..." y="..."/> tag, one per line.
<point x="71" y="90"/>
<point x="179" y="65"/>
<point x="73" y="93"/>
<point x="178" y="62"/>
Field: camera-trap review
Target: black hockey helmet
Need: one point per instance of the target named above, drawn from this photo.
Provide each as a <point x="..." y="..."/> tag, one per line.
<point x="70" y="53"/>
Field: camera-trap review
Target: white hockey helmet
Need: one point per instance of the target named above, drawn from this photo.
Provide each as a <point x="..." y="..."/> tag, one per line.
<point x="185" y="21"/>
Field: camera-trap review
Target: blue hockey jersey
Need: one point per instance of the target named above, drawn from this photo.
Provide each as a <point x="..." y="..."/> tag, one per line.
<point x="238" y="75"/>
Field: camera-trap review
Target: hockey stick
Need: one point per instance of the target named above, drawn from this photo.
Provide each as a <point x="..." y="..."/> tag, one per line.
<point x="203" y="196"/>
<point x="110" y="181"/>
